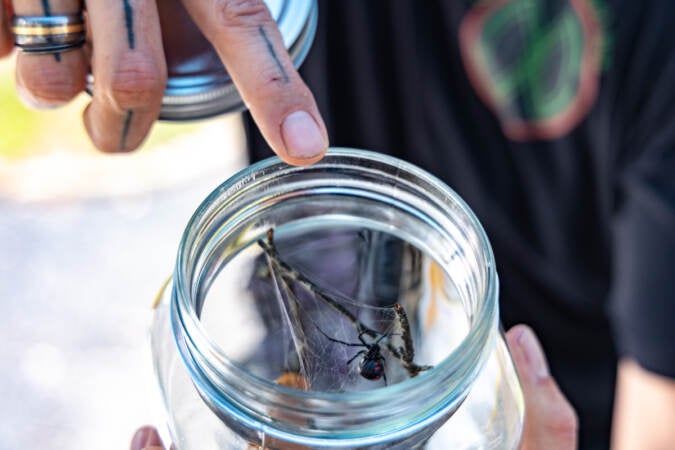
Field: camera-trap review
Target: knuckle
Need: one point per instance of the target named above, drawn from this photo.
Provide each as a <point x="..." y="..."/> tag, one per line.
<point x="568" y="419"/>
<point x="564" y="425"/>
<point x="50" y="84"/>
<point x="136" y="82"/>
<point x="242" y="13"/>
<point x="270" y="82"/>
<point x="562" y="418"/>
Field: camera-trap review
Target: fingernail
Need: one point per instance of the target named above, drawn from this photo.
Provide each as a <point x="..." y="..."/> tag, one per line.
<point x="302" y="136"/>
<point x="534" y="354"/>
<point x="145" y="437"/>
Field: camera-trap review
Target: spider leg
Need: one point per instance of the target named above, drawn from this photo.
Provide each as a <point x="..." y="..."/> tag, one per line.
<point x="382" y="337"/>
<point x="407" y="353"/>
<point x="339" y="341"/>
<point x="414" y="369"/>
<point x="384" y="370"/>
<point x="379" y="339"/>
<point x="363" y="340"/>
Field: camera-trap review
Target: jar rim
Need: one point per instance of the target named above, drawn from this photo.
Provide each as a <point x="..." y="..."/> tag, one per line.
<point x="457" y="370"/>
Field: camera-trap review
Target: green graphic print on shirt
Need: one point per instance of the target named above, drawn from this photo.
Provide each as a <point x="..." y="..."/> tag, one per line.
<point x="535" y="63"/>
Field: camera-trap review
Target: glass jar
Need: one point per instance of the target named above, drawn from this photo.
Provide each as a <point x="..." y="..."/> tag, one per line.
<point x="348" y="304"/>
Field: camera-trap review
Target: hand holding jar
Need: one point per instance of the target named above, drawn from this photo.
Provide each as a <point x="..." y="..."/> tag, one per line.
<point x="550" y="421"/>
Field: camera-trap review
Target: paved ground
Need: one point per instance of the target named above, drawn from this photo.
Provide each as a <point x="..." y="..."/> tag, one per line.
<point x="83" y="250"/>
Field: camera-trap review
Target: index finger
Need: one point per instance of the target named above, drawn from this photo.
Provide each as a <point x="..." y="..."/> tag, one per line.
<point x="247" y="40"/>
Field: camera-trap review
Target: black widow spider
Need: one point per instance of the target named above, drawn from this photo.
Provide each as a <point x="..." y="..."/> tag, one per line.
<point x="371" y="366"/>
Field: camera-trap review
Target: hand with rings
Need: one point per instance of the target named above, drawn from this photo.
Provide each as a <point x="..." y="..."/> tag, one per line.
<point x="129" y="68"/>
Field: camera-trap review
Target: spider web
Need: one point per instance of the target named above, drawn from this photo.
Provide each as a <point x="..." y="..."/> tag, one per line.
<point x="319" y="323"/>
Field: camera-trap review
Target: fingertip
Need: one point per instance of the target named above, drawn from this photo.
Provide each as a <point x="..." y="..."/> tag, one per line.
<point x="528" y="353"/>
<point x="146" y="438"/>
<point x="304" y="138"/>
<point x="515" y="332"/>
<point x="300" y="161"/>
<point x="109" y="131"/>
<point x="90" y="127"/>
<point x="513" y="337"/>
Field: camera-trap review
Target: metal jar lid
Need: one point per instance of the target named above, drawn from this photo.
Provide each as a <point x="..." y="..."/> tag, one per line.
<point x="198" y="85"/>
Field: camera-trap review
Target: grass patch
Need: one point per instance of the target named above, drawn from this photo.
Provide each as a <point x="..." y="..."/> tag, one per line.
<point x="18" y="125"/>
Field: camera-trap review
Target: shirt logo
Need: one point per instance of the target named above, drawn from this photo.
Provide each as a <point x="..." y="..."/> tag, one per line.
<point x="535" y="63"/>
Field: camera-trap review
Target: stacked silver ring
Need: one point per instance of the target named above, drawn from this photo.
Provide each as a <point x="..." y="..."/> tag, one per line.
<point x="49" y="34"/>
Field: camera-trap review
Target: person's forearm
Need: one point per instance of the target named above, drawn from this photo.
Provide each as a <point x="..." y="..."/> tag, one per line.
<point x="644" y="411"/>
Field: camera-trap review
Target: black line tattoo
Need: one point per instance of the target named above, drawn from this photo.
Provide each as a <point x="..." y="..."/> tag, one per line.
<point x="129" y="22"/>
<point x="125" y="129"/>
<point x="46" y="8"/>
<point x="48" y="12"/>
<point x="270" y="48"/>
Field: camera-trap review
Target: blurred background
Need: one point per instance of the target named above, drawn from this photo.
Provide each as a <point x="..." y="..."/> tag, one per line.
<point x="86" y="241"/>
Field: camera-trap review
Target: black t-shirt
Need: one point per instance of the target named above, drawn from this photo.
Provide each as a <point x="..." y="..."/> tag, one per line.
<point x="555" y="121"/>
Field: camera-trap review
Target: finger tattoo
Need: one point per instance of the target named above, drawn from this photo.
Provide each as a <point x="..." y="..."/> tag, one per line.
<point x="273" y="54"/>
<point x="48" y="12"/>
<point x="129" y="22"/>
<point x="125" y="129"/>
<point x="47" y="9"/>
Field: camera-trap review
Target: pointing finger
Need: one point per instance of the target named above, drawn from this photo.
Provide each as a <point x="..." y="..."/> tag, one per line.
<point x="247" y="39"/>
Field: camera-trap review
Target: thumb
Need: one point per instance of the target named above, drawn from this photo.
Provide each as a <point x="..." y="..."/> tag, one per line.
<point x="550" y="420"/>
<point x="146" y="438"/>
